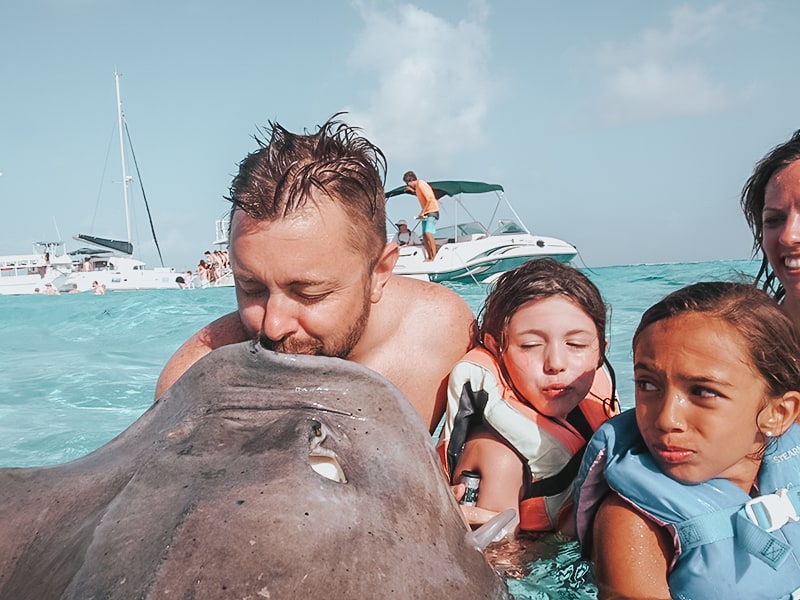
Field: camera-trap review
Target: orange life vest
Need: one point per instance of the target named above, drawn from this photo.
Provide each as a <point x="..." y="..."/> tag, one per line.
<point x="550" y="449"/>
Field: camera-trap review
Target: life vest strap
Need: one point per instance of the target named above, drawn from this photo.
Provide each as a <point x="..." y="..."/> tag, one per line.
<point x="555" y="484"/>
<point x="750" y="524"/>
<point x="471" y="405"/>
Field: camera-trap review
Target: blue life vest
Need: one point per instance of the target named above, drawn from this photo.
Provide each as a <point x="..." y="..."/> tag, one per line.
<point x="723" y="546"/>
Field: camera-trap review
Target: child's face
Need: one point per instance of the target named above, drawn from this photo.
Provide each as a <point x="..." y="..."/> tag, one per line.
<point x="697" y="399"/>
<point x="552" y="354"/>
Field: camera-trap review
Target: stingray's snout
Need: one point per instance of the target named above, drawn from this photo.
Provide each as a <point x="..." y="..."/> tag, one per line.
<point x="323" y="460"/>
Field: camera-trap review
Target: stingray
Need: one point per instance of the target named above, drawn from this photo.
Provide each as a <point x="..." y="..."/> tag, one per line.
<point x="257" y="475"/>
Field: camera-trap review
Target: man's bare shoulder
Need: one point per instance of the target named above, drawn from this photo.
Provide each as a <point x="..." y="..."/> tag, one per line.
<point x="423" y="299"/>
<point x="222" y="332"/>
<point x="418" y="331"/>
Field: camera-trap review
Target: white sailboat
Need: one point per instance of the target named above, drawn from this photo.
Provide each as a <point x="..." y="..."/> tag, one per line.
<point x="111" y="262"/>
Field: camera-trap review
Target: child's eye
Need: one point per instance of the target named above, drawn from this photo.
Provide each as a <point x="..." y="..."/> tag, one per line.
<point x="644" y="385"/>
<point x="531" y="345"/>
<point x="704" y="392"/>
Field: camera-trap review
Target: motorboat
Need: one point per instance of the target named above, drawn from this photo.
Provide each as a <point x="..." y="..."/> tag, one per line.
<point x="110" y="262"/>
<point x="48" y="263"/>
<point x="467" y="250"/>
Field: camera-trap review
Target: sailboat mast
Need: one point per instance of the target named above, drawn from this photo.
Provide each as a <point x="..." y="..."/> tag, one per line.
<point x="125" y="178"/>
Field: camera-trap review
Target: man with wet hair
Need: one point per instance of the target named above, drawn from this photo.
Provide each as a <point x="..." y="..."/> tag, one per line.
<point x="313" y="269"/>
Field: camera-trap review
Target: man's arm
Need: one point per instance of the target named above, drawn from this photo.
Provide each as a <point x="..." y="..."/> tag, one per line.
<point x="225" y="330"/>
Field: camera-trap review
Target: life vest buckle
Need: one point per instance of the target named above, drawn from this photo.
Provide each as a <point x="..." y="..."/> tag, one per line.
<point x="772" y="511"/>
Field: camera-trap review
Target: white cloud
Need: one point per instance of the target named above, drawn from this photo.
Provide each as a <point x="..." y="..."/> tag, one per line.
<point x="661" y="74"/>
<point x="433" y="83"/>
<point x="655" y="90"/>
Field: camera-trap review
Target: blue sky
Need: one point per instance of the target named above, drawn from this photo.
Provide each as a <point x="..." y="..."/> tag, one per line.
<point x="625" y="127"/>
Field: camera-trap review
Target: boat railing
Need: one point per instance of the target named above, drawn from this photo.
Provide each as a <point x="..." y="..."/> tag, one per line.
<point x="25" y="264"/>
<point x="221" y="231"/>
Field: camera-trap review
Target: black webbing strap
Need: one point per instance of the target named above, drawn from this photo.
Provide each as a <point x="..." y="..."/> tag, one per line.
<point x="469" y="415"/>
<point x="555" y="484"/>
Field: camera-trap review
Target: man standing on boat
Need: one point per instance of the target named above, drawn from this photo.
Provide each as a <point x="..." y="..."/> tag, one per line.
<point x="429" y="212"/>
<point x="313" y="269"/>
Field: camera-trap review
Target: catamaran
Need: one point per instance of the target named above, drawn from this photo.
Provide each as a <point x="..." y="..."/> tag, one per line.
<point x="110" y="262"/>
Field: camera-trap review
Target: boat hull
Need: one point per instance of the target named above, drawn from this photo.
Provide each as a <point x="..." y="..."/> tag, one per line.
<point x="481" y="260"/>
<point x="30" y="273"/>
<point x="16" y="285"/>
<point x="117" y="280"/>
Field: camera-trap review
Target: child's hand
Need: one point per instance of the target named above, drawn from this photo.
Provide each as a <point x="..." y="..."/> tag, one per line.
<point x="477" y="516"/>
<point x="472" y="514"/>
<point x="459" y="490"/>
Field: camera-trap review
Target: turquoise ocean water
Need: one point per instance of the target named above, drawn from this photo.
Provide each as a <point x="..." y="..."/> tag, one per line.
<point x="77" y="369"/>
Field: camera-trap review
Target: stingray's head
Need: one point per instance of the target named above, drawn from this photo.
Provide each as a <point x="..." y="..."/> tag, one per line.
<point x="245" y="401"/>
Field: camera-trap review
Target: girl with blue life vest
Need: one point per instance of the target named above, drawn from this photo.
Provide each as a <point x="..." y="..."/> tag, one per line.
<point x="523" y="403"/>
<point x="695" y="493"/>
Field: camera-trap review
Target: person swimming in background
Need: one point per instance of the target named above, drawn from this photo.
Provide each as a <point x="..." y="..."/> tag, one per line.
<point x="695" y="492"/>
<point x="523" y="403"/>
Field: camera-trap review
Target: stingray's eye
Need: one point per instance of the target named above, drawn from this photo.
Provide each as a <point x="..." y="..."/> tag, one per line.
<point x="323" y="460"/>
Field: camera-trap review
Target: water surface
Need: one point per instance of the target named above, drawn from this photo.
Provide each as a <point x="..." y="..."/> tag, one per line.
<point x="77" y="369"/>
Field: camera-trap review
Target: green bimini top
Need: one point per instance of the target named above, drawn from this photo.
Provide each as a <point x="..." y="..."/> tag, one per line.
<point x="452" y="188"/>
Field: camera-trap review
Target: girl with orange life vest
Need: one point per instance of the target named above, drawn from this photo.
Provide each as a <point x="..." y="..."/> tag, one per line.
<point x="523" y="403"/>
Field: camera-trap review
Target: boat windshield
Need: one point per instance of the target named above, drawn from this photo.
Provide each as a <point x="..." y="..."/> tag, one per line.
<point x="466" y="232"/>
<point x="507" y="227"/>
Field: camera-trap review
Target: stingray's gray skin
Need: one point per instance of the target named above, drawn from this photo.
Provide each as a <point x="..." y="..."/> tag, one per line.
<point x="210" y="494"/>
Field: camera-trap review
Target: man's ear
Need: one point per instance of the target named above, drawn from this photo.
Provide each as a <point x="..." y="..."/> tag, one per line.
<point x="779" y="414"/>
<point x="383" y="271"/>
